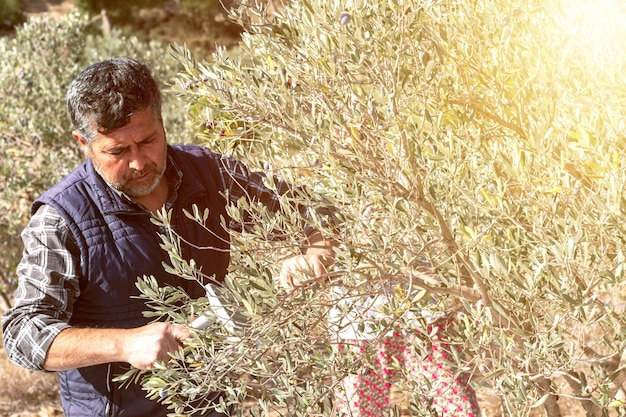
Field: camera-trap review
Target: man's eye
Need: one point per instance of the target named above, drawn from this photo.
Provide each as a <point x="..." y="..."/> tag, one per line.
<point x="115" y="152"/>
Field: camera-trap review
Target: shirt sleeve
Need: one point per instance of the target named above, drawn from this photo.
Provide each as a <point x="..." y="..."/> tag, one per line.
<point x="240" y="182"/>
<point x="48" y="283"/>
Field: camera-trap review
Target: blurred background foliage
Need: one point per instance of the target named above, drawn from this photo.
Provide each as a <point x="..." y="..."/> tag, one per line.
<point x="201" y="25"/>
<point x="11" y="14"/>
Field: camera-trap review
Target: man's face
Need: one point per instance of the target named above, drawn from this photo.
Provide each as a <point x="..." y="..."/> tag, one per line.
<point x="131" y="159"/>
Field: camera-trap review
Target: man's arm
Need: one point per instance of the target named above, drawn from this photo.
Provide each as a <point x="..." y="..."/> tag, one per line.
<point x="318" y="253"/>
<point x="36" y="332"/>
<point x="240" y="182"/>
<point x="47" y="285"/>
<point x="141" y="347"/>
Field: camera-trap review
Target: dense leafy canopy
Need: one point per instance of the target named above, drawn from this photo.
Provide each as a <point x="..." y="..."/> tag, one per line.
<point x="475" y="151"/>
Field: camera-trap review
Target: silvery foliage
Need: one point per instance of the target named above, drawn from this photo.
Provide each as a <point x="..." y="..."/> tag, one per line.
<point x="475" y="153"/>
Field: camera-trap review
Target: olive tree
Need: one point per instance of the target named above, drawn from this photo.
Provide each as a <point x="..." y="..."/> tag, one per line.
<point x="474" y="151"/>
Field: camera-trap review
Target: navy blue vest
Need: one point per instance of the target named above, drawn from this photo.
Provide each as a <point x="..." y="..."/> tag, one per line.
<point x="118" y="243"/>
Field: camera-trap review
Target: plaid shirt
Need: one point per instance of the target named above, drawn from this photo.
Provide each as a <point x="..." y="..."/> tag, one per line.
<point x="49" y="271"/>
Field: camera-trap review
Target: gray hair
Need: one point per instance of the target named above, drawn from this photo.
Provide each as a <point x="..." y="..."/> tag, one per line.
<point x="104" y="96"/>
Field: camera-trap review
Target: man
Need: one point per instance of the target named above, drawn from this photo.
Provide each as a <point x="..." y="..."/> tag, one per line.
<point x="91" y="236"/>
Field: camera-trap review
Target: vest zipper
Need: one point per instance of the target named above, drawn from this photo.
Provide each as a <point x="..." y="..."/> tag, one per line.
<point x="108" y="410"/>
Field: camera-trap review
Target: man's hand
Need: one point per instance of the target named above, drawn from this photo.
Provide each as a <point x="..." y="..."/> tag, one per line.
<point x="318" y="257"/>
<point x="293" y="269"/>
<point x="153" y="342"/>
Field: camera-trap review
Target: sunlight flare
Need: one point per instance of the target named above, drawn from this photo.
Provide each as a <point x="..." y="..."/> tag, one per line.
<point x="596" y="28"/>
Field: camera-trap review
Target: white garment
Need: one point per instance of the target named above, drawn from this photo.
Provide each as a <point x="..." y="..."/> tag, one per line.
<point x="362" y="317"/>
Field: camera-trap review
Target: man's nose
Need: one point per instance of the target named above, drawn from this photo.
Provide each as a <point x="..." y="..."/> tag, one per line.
<point x="137" y="161"/>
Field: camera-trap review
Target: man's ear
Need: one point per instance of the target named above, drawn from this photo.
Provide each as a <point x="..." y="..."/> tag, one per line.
<point x="79" y="138"/>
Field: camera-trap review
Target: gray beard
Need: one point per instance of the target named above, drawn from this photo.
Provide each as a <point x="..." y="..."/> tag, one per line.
<point x="130" y="191"/>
